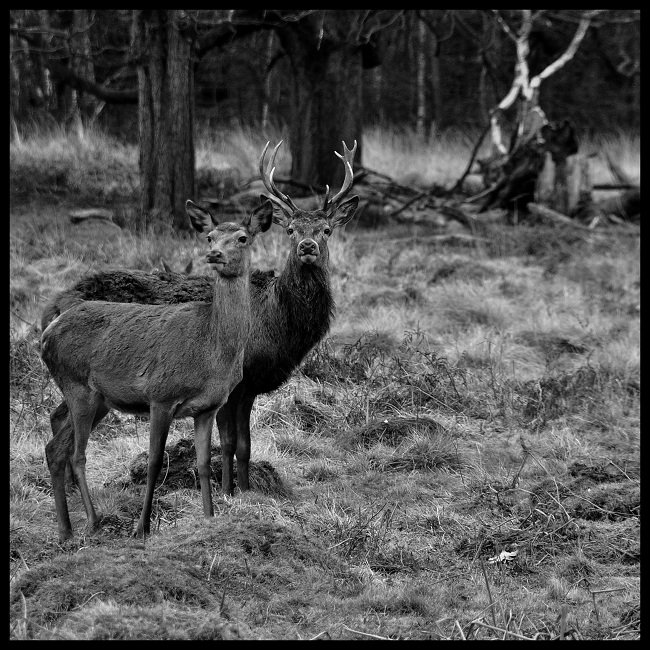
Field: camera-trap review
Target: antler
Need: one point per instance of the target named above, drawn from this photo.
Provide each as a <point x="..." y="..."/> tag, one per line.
<point x="348" y="159"/>
<point x="278" y="197"/>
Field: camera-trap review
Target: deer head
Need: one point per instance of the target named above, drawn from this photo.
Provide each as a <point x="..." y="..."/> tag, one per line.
<point x="309" y="230"/>
<point x="229" y="241"/>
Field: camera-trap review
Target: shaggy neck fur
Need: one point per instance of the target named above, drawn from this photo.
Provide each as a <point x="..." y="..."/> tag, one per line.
<point x="303" y="293"/>
<point x="231" y="313"/>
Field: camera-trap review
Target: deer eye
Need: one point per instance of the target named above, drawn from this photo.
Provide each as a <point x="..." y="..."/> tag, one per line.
<point x="243" y="239"/>
<point x="327" y="231"/>
<point x="289" y="231"/>
<point x="209" y="239"/>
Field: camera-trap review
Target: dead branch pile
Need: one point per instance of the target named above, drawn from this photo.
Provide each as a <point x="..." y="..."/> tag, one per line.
<point x="447" y="213"/>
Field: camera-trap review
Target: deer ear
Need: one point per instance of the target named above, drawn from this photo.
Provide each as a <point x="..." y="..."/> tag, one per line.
<point x="201" y="219"/>
<point x="261" y="219"/>
<point x="280" y="215"/>
<point x="344" y="212"/>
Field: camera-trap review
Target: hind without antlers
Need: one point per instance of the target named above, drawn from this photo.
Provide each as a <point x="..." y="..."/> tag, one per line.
<point x="291" y="313"/>
<point x="166" y="361"/>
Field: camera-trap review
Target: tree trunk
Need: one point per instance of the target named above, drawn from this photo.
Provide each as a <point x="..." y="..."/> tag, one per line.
<point x="420" y="63"/>
<point x="48" y="96"/>
<point x="377" y="94"/>
<point x="266" y="98"/>
<point x="565" y="185"/>
<point x="82" y="65"/>
<point x="14" y="90"/>
<point x="326" y="107"/>
<point x="166" y="116"/>
<point x="436" y="86"/>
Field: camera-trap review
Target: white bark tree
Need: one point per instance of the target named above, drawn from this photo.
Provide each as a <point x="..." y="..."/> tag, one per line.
<point x="524" y="89"/>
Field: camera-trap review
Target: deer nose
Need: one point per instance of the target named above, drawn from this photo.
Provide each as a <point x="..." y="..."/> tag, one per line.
<point x="308" y="247"/>
<point x="216" y="255"/>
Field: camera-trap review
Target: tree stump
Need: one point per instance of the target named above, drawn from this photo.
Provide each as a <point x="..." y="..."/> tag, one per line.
<point x="564" y="186"/>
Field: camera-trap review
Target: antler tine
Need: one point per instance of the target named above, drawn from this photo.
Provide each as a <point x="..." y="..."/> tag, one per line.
<point x="327" y="197"/>
<point x="264" y="179"/>
<point x="267" y="178"/>
<point x="285" y="197"/>
<point x="348" y="159"/>
<point x="262" y="166"/>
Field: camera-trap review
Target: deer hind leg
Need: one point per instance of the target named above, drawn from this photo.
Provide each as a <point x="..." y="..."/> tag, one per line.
<point x="87" y="408"/>
<point x="202" y="444"/>
<point x="243" y="424"/>
<point x="58" y="452"/>
<point x="228" y="437"/>
<point x="61" y="422"/>
<point x="160" y="417"/>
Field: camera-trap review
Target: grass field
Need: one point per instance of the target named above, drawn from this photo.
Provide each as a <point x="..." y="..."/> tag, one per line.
<point x="458" y="459"/>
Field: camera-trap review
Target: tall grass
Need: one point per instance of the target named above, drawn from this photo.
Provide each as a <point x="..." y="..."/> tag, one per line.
<point x="94" y="166"/>
<point x="54" y="159"/>
<point x="402" y="154"/>
<point x="239" y="148"/>
<point x="624" y="149"/>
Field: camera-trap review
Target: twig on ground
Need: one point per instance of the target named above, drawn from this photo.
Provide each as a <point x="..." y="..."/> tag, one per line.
<point x="372" y="636"/>
<point x="487" y="584"/>
<point x="555" y="217"/>
<point x="499" y="629"/>
<point x="20" y="318"/>
<point x="563" y="614"/>
<point x="419" y="196"/>
<point x="408" y="188"/>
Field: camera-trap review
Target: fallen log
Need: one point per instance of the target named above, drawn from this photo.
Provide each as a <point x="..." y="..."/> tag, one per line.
<point x="474" y="224"/>
<point x="555" y="217"/>
<point x="79" y="216"/>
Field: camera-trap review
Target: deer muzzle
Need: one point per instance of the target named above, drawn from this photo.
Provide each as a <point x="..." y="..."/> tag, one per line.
<point x="308" y="251"/>
<point x="216" y="257"/>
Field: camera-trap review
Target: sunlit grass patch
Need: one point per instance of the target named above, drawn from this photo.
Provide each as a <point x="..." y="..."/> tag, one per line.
<point x="298" y="446"/>
<point x="410" y="158"/>
<point x="320" y="470"/>
<point x="239" y="149"/>
<point x="464" y="304"/>
<point x="167" y="620"/>
<point x="55" y="160"/>
<point x="624" y="149"/>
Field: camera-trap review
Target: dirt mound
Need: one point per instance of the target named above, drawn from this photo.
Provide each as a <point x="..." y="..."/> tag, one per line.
<point x="180" y="471"/>
<point x="127" y="575"/>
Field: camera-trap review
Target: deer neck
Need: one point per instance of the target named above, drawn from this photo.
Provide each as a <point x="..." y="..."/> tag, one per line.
<point x="231" y="314"/>
<point x="305" y="293"/>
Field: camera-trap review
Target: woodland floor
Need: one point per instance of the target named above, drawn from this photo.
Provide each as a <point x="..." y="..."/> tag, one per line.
<point x="459" y="458"/>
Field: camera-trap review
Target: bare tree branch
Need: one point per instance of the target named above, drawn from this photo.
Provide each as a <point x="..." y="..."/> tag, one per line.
<point x="113" y="96"/>
<point x="504" y="26"/>
<point x="568" y="54"/>
<point x="363" y="37"/>
<point x="432" y="28"/>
